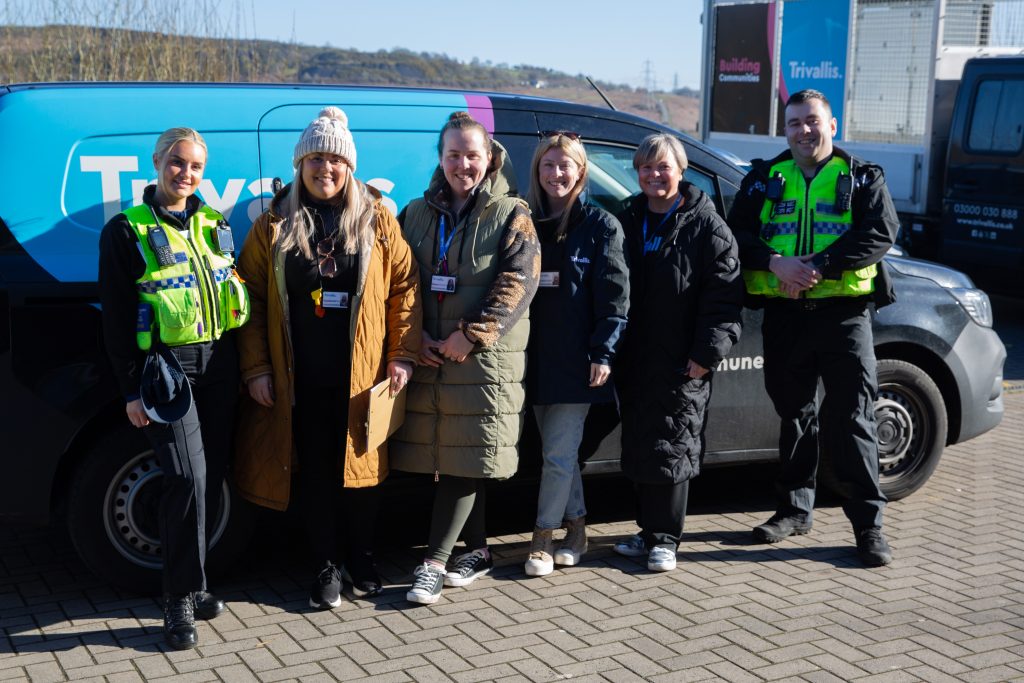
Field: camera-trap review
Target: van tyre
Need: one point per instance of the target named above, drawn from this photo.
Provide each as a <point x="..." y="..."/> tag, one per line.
<point x="112" y="514"/>
<point x="911" y="420"/>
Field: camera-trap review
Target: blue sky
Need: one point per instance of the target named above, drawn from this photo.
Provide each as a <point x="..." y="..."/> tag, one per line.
<point x="607" y="39"/>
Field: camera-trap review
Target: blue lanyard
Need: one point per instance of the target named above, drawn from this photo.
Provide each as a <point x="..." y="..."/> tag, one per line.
<point x="443" y="244"/>
<point x="655" y="241"/>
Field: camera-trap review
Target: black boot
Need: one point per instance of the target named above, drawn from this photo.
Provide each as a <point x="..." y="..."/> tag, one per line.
<point x="360" y="571"/>
<point x="206" y="605"/>
<point x="179" y="622"/>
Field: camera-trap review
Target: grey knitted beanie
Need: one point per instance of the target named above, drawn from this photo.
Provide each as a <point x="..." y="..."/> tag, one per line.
<point x="329" y="134"/>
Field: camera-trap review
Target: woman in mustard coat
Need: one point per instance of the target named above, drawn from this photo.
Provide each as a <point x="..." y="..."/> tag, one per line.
<point x="335" y="309"/>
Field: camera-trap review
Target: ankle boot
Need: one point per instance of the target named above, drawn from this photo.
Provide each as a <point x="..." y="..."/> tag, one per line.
<point x="180" y="622"/>
<point x="540" y="562"/>
<point x="574" y="544"/>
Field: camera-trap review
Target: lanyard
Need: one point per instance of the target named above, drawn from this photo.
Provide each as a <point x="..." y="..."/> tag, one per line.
<point x="443" y="243"/>
<point x="655" y="241"/>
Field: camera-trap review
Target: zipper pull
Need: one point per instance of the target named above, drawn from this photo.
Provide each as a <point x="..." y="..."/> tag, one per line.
<point x="437" y="476"/>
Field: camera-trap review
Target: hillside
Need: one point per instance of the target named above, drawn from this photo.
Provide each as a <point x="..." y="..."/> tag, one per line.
<point x="82" y="53"/>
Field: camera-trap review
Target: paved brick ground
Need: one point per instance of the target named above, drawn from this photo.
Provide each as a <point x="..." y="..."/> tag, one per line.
<point x="951" y="608"/>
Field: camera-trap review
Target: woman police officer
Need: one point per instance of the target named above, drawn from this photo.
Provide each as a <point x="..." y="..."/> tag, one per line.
<point x="168" y="287"/>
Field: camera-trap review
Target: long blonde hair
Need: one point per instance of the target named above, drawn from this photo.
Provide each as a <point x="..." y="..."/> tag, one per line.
<point x="355" y="224"/>
<point x="537" y="197"/>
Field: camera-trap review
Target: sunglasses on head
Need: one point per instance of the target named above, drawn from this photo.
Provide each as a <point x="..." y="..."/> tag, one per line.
<point x="572" y="135"/>
<point x="325" y="252"/>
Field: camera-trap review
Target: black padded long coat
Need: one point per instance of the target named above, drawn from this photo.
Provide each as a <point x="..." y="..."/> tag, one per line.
<point x="686" y="298"/>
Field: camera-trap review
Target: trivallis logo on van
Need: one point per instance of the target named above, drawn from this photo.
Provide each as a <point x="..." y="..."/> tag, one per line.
<point x="112" y="171"/>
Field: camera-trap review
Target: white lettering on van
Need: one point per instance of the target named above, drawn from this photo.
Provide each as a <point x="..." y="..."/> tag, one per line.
<point x="139" y="186"/>
<point x="385" y="186"/>
<point x="222" y="203"/>
<point x="110" y="169"/>
<point x="741" y="363"/>
<point x="258" y="188"/>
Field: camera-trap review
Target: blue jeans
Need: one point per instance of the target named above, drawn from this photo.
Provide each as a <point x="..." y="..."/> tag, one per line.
<point x="561" y="488"/>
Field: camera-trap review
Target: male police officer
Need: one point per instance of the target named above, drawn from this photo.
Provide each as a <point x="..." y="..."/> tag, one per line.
<point x="813" y="225"/>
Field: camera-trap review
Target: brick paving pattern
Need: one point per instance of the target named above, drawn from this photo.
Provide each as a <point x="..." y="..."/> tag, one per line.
<point x="950" y="608"/>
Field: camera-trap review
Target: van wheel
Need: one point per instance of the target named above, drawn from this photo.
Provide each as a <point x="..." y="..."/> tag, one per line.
<point x="912" y="426"/>
<point x="112" y="514"/>
<point x="910" y="416"/>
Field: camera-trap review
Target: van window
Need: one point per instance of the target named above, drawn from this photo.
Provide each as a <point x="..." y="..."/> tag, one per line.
<point x="702" y="180"/>
<point x="996" y="123"/>
<point x="613" y="178"/>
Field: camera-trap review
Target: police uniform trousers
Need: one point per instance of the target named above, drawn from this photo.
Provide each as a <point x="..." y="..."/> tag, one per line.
<point x="193" y="454"/>
<point x="830" y="340"/>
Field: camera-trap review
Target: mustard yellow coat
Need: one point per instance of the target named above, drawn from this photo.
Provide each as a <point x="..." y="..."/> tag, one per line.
<point x="386" y="326"/>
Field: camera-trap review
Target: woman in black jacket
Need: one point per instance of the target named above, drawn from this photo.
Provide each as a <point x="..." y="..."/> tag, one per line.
<point x="577" y="317"/>
<point x="686" y="297"/>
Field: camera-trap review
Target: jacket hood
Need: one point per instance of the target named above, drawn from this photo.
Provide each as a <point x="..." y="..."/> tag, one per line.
<point x="500" y="181"/>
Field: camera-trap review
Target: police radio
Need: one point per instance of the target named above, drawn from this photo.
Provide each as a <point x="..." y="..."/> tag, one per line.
<point x="160" y="246"/>
<point x="844" y="192"/>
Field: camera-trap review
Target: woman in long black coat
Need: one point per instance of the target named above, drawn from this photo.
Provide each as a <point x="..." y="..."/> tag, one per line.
<point x="686" y="296"/>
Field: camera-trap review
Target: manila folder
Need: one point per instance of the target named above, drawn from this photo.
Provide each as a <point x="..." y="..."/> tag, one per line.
<point x="386" y="414"/>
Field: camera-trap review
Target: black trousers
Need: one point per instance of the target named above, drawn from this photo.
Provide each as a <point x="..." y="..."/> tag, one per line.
<point x="832" y="343"/>
<point x="661" y="512"/>
<point x="194" y="453"/>
<point x="339" y="522"/>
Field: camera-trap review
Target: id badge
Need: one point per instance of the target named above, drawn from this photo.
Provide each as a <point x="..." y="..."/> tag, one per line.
<point x="335" y="300"/>
<point x="549" y="278"/>
<point x="444" y="284"/>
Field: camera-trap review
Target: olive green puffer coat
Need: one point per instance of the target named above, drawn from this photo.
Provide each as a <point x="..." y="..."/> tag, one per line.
<point x="465" y="419"/>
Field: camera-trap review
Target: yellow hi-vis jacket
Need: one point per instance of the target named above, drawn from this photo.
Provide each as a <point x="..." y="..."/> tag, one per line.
<point x="199" y="296"/>
<point x="804" y="221"/>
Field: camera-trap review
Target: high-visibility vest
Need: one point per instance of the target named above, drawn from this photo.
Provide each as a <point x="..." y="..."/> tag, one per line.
<point x="806" y="220"/>
<point x="199" y="296"/>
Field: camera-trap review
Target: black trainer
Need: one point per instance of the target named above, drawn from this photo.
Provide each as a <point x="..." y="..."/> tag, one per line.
<point x="872" y="548"/>
<point x="206" y="605"/>
<point x="180" y="622"/>
<point x="468" y="568"/>
<point x="326" y="590"/>
<point x="780" y="527"/>
<point x="360" y="572"/>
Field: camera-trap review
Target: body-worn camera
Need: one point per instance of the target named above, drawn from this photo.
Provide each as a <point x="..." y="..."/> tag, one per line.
<point x="223" y="238"/>
<point x="776" y="186"/>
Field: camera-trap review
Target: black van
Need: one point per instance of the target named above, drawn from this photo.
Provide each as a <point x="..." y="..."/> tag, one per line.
<point x="983" y="199"/>
<point x="69" y="453"/>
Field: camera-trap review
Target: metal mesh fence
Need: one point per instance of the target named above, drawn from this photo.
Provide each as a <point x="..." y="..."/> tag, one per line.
<point x="984" y="23"/>
<point x="893" y="47"/>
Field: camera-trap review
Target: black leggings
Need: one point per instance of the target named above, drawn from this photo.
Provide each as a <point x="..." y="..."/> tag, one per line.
<point x="459" y="506"/>
<point x="320" y="426"/>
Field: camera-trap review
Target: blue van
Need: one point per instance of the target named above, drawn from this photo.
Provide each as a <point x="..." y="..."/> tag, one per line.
<point x="77" y="154"/>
